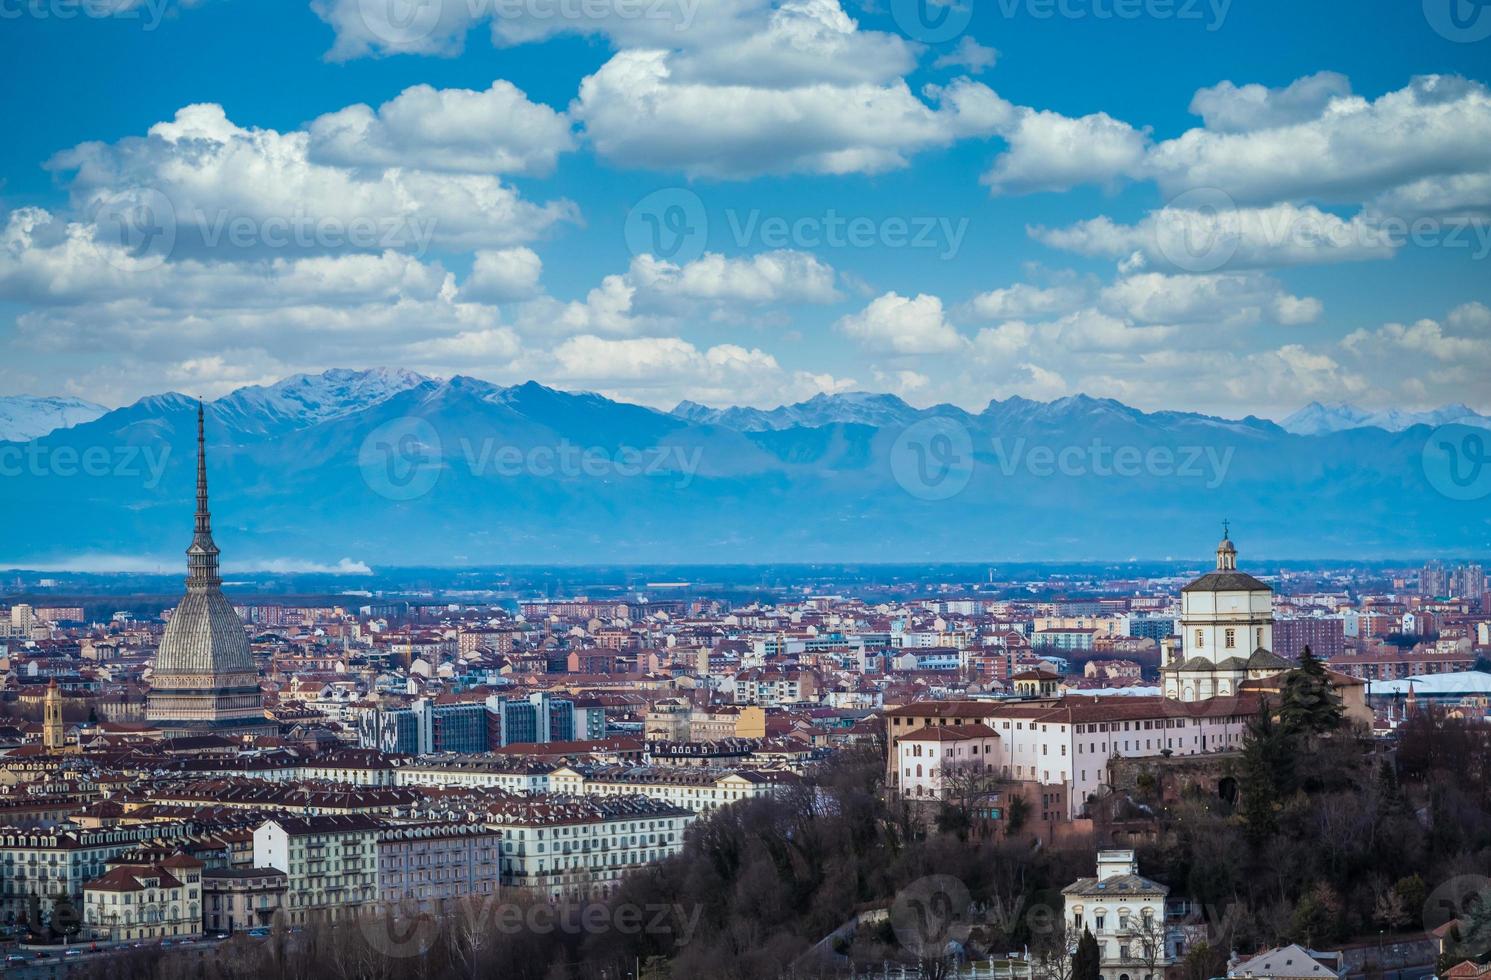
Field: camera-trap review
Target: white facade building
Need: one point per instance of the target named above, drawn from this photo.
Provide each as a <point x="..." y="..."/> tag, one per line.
<point x="1225" y="633"/>
<point x="1126" y="915"/>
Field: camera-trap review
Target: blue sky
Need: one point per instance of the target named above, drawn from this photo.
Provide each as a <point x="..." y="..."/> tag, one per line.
<point x="1196" y="206"/>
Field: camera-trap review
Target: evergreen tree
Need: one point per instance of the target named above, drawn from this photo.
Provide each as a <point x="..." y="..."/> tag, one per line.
<point x="1087" y="962"/>
<point x="1390" y="800"/>
<point x="1310" y="705"/>
<point x="1267" y="774"/>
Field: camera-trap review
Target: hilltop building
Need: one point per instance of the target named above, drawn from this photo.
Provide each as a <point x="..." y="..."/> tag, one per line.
<point x="1225" y="629"/>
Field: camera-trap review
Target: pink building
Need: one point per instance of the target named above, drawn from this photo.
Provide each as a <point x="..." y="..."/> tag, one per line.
<point x="425" y="864"/>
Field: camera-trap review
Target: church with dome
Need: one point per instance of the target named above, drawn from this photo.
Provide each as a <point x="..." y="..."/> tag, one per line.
<point x="204" y="680"/>
<point x="1225" y="633"/>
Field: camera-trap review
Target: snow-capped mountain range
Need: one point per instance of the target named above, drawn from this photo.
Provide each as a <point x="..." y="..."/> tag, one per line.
<point x="1316" y="418"/>
<point x="25" y="417"/>
<point x="318" y="467"/>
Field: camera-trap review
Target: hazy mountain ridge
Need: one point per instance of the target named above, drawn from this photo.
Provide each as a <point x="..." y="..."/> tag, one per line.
<point x="27" y="417"/>
<point x="310" y="469"/>
<point x="1318" y="419"/>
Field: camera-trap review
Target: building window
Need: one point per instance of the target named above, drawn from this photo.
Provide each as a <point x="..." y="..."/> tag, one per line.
<point x="1231" y="639"/>
<point x="1200" y="638"/>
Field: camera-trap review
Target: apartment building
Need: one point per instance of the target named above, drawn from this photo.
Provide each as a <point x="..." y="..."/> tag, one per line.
<point x="155" y="901"/>
<point x="422" y="865"/>
<point x="578" y="847"/>
<point x="241" y="898"/>
<point x="331" y="863"/>
<point x="41" y="868"/>
<point x="930" y="757"/>
<point x="698" y="789"/>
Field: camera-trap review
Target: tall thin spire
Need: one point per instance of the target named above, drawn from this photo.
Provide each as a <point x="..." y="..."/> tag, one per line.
<point x="201" y="563"/>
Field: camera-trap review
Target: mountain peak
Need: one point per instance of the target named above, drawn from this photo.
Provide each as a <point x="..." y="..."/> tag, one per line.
<point x="1319" y="418"/>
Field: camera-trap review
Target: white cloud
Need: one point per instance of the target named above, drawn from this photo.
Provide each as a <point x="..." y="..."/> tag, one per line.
<point x="1022" y="301"/>
<point x="666" y="370"/>
<point x="771" y="277"/>
<point x="374" y="27"/>
<point x="969" y="54"/>
<point x="896" y="324"/>
<point x="1436" y="126"/>
<point x="230" y="189"/>
<point x="1229" y="108"/>
<point x="503" y="274"/>
<point x="637" y="114"/>
<point x="497" y="131"/>
<point x="1203" y="240"/>
<point x="1224" y="299"/>
<point x="1051" y="152"/>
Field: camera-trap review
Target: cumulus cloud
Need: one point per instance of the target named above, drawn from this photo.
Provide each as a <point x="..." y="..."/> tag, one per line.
<point x="1205" y="239"/>
<point x="1354" y="149"/>
<point x="969" y="55"/>
<point x="782" y="276"/>
<point x="1229" y="108"/>
<point x="654" y="295"/>
<point x="376" y="27"/>
<point x="665" y="370"/>
<point x="498" y="131"/>
<point x="1023" y="300"/>
<point x="1051" y="152"/>
<point x="217" y="187"/>
<point x="503" y="274"/>
<point x="1418" y="150"/>
<point x="1230" y="300"/>
<point x="896" y="324"/>
<point x="637" y="114"/>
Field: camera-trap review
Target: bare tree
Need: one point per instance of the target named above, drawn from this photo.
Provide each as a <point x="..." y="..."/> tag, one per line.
<point x="1052" y="949"/>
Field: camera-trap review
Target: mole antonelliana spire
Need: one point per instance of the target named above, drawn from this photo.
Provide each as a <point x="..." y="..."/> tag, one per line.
<point x="204" y="680"/>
